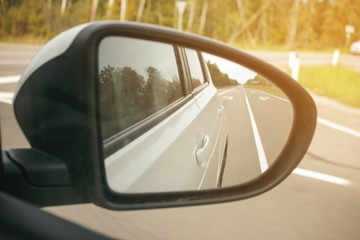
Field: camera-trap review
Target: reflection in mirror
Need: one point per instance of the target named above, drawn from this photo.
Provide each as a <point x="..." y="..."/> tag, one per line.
<point x="160" y="135"/>
<point x="260" y="118"/>
<point x="132" y="88"/>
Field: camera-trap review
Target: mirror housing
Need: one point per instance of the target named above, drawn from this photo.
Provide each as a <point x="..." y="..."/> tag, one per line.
<point x="57" y="107"/>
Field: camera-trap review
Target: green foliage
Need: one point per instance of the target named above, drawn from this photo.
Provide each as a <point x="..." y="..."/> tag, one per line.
<point x="319" y="24"/>
<point x="127" y="97"/>
<point x="338" y="83"/>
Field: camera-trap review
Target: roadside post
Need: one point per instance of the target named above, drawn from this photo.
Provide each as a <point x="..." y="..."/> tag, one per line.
<point x="296" y="69"/>
<point x="335" y="59"/>
<point x="292" y="57"/>
<point x="294" y="65"/>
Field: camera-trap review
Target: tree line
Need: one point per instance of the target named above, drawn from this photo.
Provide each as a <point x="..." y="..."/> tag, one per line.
<point x="218" y="77"/>
<point x="291" y="23"/>
<point x="126" y="97"/>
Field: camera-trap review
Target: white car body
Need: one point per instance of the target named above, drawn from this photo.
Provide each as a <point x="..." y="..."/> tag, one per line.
<point x="184" y="151"/>
<point x="164" y="158"/>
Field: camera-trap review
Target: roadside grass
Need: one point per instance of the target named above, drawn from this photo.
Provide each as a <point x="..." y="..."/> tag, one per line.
<point x="339" y="83"/>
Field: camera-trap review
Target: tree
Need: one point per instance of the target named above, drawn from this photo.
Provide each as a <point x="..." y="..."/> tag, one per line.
<point x="311" y="23"/>
<point x="218" y="77"/>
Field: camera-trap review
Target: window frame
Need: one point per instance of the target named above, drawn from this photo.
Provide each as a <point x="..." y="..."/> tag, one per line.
<point x="206" y="82"/>
<point x="122" y="138"/>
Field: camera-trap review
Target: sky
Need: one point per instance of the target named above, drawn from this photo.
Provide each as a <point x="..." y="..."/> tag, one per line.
<point x="234" y="70"/>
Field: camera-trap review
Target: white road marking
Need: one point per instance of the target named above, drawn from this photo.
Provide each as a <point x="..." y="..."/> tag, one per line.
<point x="4" y="100"/>
<point x="338" y="127"/>
<point x="6" y="97"/>
<point x="321" y="176"/>
<point x="9" y="79"/>
<point x="260" y="150"/>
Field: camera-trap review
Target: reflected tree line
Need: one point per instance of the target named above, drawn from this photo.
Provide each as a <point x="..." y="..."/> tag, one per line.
<point x="261" y="83"/>
<point x="222" y="79"/>
<point x="218" y="77"/>
<point x="126" y="97"/>
<point x="259" y="80"/>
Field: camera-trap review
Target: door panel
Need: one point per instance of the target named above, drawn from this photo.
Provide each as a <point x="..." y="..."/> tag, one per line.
<point x="166" y="160"/>
<point x="213" y="121"/>
<point x="141" y="80"/>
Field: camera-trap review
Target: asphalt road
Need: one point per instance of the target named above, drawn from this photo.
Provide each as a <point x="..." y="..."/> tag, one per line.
<point x="259" y="124"/>
<point x="320" y="200"/>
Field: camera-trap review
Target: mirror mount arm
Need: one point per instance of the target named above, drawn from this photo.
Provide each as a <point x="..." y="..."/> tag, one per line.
<point x="38" y="178"/>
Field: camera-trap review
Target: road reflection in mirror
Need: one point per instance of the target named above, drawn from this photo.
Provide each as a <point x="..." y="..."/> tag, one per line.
<point x="176" y="119"/>
<point x="260" y="119"/>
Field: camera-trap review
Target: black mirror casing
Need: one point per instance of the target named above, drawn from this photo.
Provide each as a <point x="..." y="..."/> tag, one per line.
<point x="57" y="108"/>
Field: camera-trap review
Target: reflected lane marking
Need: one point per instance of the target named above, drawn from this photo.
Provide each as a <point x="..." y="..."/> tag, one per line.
<point x="9" y="79"/>
<point x="228" y="97"/>
<point x="225" y="92"/>
<point x="274" y="96"/>
<point x="321" y="176"/>
<point x="264" y="98"/>
<point x="260" y="150"/>
<point x="324" y="121"/>
<point x="338" y="127"/>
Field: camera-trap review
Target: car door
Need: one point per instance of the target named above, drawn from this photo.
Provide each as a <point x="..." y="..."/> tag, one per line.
<point x="151" y="124"/>
<point x="211" y="152"/>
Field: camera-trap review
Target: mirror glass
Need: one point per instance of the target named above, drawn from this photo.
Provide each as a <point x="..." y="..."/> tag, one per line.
<point x="177" y="119"/>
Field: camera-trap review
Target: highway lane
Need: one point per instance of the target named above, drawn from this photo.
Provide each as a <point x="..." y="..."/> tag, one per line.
<point x="271" y="124"/>
<point x="15" y="57"/>
<point x="274" y="118"/>
<point x="242" y="163"/>
<point x="302" y="207"/>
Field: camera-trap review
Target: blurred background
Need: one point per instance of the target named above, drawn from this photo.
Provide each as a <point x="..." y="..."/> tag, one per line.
<point x="280" y="24"/>
<point x="312" y="40"/>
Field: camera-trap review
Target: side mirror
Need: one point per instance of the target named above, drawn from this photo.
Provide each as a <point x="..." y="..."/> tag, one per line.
<point x="128" y="117"/>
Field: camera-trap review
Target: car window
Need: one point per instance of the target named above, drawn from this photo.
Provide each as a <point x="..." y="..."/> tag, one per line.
<point x="197" y="77"/>
<point x="137" y="78"/>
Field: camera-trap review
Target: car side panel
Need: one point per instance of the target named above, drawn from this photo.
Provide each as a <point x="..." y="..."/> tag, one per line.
<point x="214" y="124"/>
<point x="162" y="159"/>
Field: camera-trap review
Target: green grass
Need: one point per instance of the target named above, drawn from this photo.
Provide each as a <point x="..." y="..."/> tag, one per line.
<point x="339" y="83"/>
